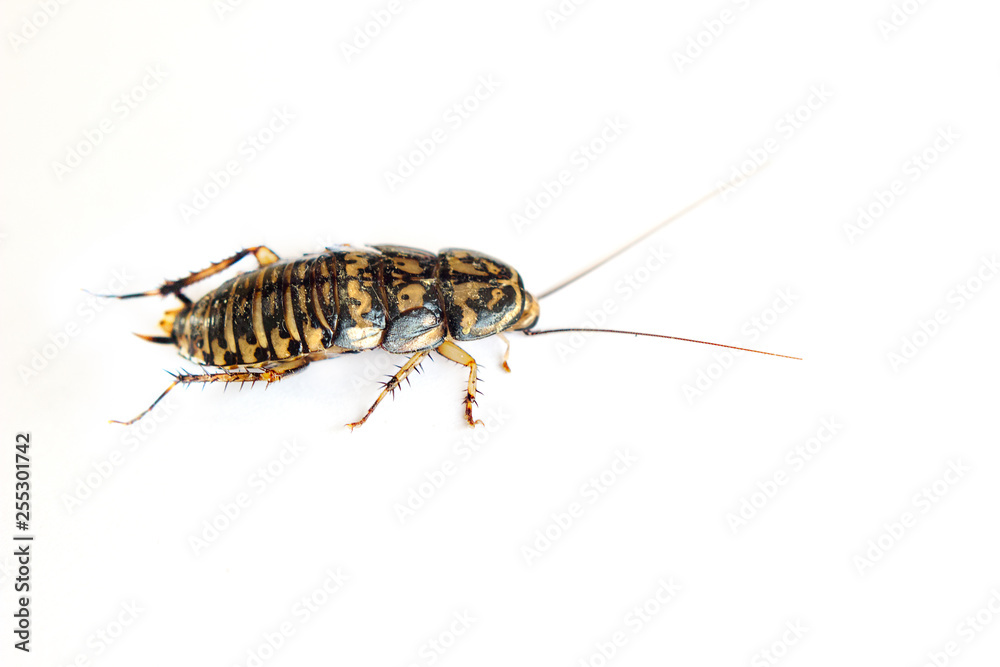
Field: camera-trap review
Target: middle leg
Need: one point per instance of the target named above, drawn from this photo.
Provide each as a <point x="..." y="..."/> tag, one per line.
<point x="450" y="350"/>
<point x="393" y="383"/>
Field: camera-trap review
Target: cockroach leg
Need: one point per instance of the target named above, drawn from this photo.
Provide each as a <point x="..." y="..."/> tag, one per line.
<point x="450" y="350"/>
<point x="392" y="384"/>
<point x="506" y="352"/>
<point x="263" y="254"/>
<point x="226" y="375"/>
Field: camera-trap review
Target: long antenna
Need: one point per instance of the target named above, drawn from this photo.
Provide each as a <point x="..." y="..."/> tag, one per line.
<point x="536" y="332"/>
<point x="642" y="237"/>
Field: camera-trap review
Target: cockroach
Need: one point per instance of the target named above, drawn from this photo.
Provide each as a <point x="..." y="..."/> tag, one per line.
<point x="271" y="322"/>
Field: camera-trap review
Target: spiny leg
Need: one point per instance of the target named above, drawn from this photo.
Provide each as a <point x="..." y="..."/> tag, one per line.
<point x="227" y="376"/>
<point x="263" y="254"/>
<point x="506" y="352"/>
<point x="450" y="350"/>
<point x="393" y="383"/>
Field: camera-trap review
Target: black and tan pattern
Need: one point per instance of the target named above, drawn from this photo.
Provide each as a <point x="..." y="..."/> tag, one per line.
<point x="196" y="332"/>
<point x="251" y="349"/>
<point x="270" y="314"/>
<point x="302" y="306"/>
<point x="409" y="278"/>
<point x="414" y="314"/>
<point x="347" y="299"/>
<point x="266" y="323"/>
<point x="272" y="300"/>
<point x="360" y="311"/>
<point x="222" y="353"/>
<point x="482" y="295"/>
<point x="324" y="293"/>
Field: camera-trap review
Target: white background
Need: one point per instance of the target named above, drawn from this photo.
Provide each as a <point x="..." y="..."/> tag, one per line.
<point x="115" y="511"/>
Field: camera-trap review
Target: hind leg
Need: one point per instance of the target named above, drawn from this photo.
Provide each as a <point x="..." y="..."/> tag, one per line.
<point x="263" y="254"/>
<point x="227" y="376"/>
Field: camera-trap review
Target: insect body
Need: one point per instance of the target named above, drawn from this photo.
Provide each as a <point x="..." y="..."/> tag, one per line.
<point x="268" y="323"/>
